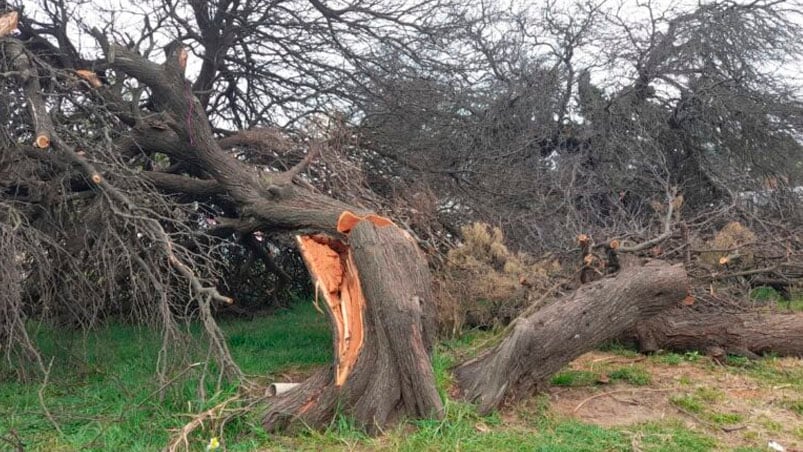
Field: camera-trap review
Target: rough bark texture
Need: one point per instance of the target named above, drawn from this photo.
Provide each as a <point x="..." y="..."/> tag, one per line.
<point x="393" y="375"/>
<point x="746" y="334"/>
<point x="539" y="345"/>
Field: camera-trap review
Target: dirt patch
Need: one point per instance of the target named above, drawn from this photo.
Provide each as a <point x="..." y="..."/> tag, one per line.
<point x="611" y="405"/>
<point x="737" y="408"/>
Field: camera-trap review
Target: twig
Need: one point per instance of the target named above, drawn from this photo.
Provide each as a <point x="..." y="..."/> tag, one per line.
<point x="181" y="439"/>
<point x="13" y="438"/>
<point x="619" y="391"/>
<point x="672" y="196"/>
<point x="42" y="398"/>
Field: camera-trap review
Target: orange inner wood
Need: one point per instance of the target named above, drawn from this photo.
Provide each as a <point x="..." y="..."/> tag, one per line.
<point x="348" y="220"/>
<point x="90" y="77"/>
<point x="42" y="141"/>
<point x="8" y="23"/>
<point x="335" y="275"/>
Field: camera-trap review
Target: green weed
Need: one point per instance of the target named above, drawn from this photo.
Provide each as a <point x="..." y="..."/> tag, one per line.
<point x="574" y="378"/>
<point x="688" y="403"/>
<point x="635" y="375"/>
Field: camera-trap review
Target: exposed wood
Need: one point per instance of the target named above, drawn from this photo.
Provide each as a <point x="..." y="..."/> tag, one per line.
<point x="8" y="23"/>
<point x="747" y="334"/>
<point x="331" y="266"/>
<point x="348" y="219"/>
<point x="42" y="141"/>
<point x="542" y="343"/>
<point x="90" y="77"/>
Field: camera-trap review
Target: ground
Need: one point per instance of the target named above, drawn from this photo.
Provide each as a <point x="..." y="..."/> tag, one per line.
<point x="741" y="404"/>
<point x="101" y="395"/>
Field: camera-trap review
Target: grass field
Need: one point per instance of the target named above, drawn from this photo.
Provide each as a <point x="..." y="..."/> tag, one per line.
<point x="102" y="396"/>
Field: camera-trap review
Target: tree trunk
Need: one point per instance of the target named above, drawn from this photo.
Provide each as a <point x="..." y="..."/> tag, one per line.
<point x="542" y="343"/>
<point x="377" y="293"/>
<point x="718" y="334"/>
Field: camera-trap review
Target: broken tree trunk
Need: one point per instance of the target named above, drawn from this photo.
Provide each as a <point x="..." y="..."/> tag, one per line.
<point x="540" y="344"/>
<point x="718" y="334"/>
<point x="376" y="289"/>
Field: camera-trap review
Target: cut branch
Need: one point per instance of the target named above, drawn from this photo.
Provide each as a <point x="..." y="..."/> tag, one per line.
<point x="26" y="74"/>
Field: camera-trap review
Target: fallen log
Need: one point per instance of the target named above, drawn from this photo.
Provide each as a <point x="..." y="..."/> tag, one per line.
<point x="542" y="343"/>
<point x="718" y="334"/>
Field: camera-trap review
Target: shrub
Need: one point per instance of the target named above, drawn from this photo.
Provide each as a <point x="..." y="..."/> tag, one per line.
<point x="728" y="243"/>
<point x="484" y="284"/>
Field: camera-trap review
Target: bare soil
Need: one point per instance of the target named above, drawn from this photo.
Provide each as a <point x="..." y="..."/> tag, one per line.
<point x="740" y="408"/>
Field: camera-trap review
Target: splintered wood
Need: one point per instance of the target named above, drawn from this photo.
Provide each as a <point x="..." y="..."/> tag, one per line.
<point x="90" y="77"/>
<point x="332" y="268"/>
<point x="335" y="275"/>
<point x="8" y="23"/>
<point x="348" y="220"/>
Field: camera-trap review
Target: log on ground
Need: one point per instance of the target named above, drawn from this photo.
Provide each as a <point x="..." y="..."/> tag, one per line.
<point x="719" y="334"/>
<point x="541" y="344"/>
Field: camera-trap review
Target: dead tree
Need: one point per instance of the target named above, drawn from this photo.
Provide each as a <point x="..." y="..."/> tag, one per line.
<point x="373" y="278"/>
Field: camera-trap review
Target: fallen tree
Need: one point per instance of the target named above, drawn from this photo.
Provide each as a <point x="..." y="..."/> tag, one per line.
<point x="375" y="281"/>
<point x="749" y="334"/>
<point x="540" y="344"/>
<point x="373" y="278"/>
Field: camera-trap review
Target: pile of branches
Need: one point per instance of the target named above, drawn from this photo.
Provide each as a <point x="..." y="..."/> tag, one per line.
<point x="727" y="252"/>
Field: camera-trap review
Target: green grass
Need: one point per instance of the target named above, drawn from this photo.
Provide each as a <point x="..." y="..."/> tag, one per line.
<point x="725" y="418"/>
<point x="674" y="359"/>
<point x="103" y="396"/>
<point x="102" y="391"/>
<point x="766" y="294"/>
<point x="688" y="403"/>
<point x="769" y="371"/>
<point x="573" y="378"/>
<point x="635" y="375"/>
<point x="795" y="405"/>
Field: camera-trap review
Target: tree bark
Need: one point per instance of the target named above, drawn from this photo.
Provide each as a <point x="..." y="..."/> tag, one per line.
<point x="539" y="345"/>
<point x="718" y="334"/>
